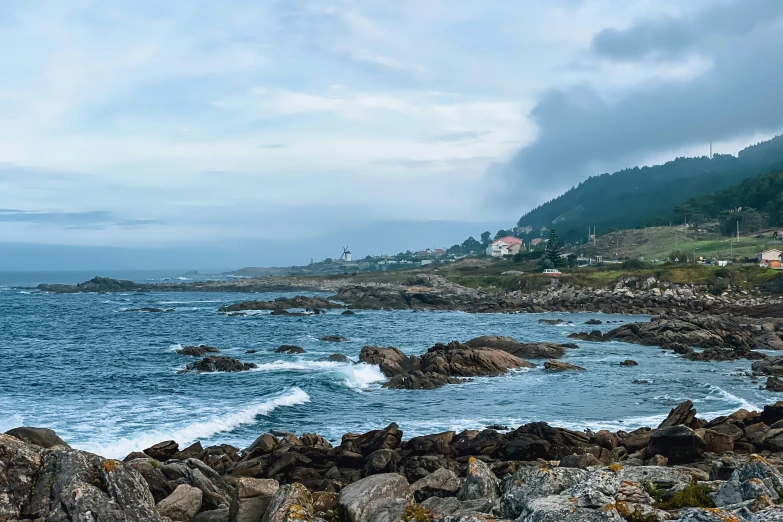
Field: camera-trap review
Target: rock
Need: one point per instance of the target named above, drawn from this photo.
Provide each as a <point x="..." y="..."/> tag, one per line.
<point x="215" y="515"/>
<point x="149" y="469"/>
<point x="291" y="503"/>
<point x="287" y="348"/>
<point x="282" y="304"/>
<point x="679" y="444"/>
<point x="348" y="312"/>
<point x="583" y="461"/>
<point x="552" y="322"/>
<point x="441" y="507"/>
<point x="598" y="490"/>
<point x="480" y="483"/>
<point x="637" y="440"/>
<point x="325" y="501"/>
<point x="710" y="515"/>
<point x="561" y="509"/>
<point x="661" y="477"/>
<point x="772" y="413"/>
<point x="263" y="445"/>
<point x="774" y="384"/>
<point x="440" y="483"/>
<point x="528" y="484"/>
<point x="715" y="442"/>
<point x="553" y="365"/>
<point x="182" y="504"/>
<point x="380" y="498"/>
<point x="147" y="309"/>
<point x="337" y="357"/>
<point x="62" y="483"/>
<point x="629" y="362"/>
<point x="593" y="321"/>
<point x="595" y="336"/>
<point x="251" y="351"/>
<point x="218" y="364"/>
<point x="195" y="473"/>
<point x="657" y="460"/>
<point x="313" y="440"/>
<point x="683" y="414"/>
<point x="381" y="461"/>
<point x="251" y="498"/>
<point x="388" y="438"/>
<point x="756" y="478"/>
<point x="42" y="437"/>
<point x="541" y="350"/>
<point x="163" y="451"/>
<point x="333" y="339"/>
<point x="197" y="351"/>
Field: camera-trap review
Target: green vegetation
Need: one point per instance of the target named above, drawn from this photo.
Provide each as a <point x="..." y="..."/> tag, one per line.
<point x="416" y="513"/>
<point x="640" y="197"/>
<point x="691" y="496"/>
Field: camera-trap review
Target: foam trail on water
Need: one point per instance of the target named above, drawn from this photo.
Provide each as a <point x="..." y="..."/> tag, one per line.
<point x="717" y="391"/>
<point x="10" y="422"/>
<point x="197" y="430"/>
<point x="297" y="365"/>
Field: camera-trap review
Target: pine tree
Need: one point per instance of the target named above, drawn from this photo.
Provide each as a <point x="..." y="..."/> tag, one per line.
<point x="553" y="249"/>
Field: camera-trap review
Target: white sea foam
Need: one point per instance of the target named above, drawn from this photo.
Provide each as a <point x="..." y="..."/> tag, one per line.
<point x="186" y="302"/>
<point x="11" y="421"/>
<point x="197" y="430"/>
<point x="361" y="376"/>
<point x="300" y="365"/>
<point x="357" y="376"/>
<point x="175" y="347"/>
<point x="717" y="391"/>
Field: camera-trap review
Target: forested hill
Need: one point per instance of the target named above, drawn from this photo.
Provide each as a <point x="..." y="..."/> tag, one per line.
<point x="645" y="196"/>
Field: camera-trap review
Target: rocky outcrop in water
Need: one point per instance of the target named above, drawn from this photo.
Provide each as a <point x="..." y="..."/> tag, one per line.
<point x="218" y="364"/>
<point x="197" y="351"/>
<point x="686" y="469"/>
<point x="440" y="365"/>
<point x="283" y="303"/>
<point x="542" y="350"/>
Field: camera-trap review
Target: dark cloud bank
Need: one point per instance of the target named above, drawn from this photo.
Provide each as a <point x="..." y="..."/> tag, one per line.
<point x="739" y="95"/>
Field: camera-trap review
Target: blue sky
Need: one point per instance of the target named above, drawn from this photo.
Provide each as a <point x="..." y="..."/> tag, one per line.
<point x="169" y="125"/>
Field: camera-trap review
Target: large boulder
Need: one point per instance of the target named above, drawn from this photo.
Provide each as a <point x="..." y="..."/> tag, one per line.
<point x="379" y="498"/>
<point x="540" y="350"/>
<point x="440" y="483"/>
<point x="291" y="503"/>
<point x="182" y="505"/>
<point x="43" y="437"/>
<point x="756" y="478"/>
<point x="218" y="364"/>
<point x="193" y="472"/>
<point x="251" y="498"/>
<point x="553" y="365"/>
<point x="532" y="483"/>
<point x="684" y="414"/>
<point x="558" y="508"/>
<point x="480" y="483"/>
<point x="679" y="444"/>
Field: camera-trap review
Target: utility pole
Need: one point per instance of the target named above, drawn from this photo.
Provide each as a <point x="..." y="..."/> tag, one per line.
<point x="738" y="231"/>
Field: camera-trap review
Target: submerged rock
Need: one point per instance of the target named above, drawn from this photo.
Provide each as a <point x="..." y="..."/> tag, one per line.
<point x="287" y="348"/>
<point x="560" y="366"/>
<point x="333" y="339"/>
<point x="197" y="351"/>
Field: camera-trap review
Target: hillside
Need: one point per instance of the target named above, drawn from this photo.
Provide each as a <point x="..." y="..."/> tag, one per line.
<point x="638" y="197"/>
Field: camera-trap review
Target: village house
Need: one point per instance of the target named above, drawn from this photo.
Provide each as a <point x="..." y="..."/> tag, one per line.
<point x="770" y="258"/>
<point x="505" y="246"/>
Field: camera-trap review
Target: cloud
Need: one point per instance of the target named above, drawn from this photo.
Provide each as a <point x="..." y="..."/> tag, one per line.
<point x="469" y="135"/>
<point x="581" y="131"/>
<point x="95" y="219"/>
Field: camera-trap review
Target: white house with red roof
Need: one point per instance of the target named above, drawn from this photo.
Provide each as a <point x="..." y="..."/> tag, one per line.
<point x="505" y="246"/>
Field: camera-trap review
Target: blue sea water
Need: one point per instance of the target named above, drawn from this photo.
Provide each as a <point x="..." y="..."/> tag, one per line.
<point x="106" y="379"/>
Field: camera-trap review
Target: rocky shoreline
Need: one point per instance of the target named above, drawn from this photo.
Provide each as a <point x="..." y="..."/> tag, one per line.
<point x="685" y="469"/>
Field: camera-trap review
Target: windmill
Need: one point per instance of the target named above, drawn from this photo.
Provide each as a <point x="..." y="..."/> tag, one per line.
<point x="346" y="254"/>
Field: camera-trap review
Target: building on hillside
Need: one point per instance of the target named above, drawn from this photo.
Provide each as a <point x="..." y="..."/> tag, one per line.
<point x="771" y="258"/>
<point x="723" y="262"/>
<point x="439" y="251"/>
<point x="348" y="256"/>
<point x="505" y="246"/>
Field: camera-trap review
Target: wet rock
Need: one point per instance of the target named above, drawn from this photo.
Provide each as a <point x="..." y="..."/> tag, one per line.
<point x="440" y="483"/>
<point x="348" y="312"/>
<point x="542" y="350"/>
<point x="595" y="336"/>
<point x="287" y="348"/>
<point x="250" y="499"/>
<point x="629" y="362"/>
<point x="774" y="384"/>
<point x="557" y="366"/>
<point x="147" y="309"/>
<point x="372" y="441"/>
<point x="333" y="339"/>
<point x="593" y="321"/>
<point x="182" y="504"/>
<point x="163" y="450"/>
<point x="679" y="444"/>
<point x="291" y="503"/>
<point x="218" y="364"/>
<point x="552" y="322"/>
<point x="380" y="498"/>
<point x="42" y="437"/>
<point x="338" y="357"/>
<point x="313" y="440"/>
<point x="197" y="351"/>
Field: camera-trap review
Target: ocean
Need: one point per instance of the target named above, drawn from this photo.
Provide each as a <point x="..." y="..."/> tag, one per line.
<point x="106" y="379"/>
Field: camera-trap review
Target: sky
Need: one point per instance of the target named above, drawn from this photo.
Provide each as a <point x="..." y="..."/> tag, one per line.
<point x="207" y="134"/>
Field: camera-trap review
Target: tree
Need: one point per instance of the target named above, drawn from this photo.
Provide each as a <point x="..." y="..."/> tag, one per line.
<point x="471" y="245"/>
<point x="486" y="238"/>
<point x="553" y="249"/>
<point x="328" y="261"/>
<point x="504" y="233"/>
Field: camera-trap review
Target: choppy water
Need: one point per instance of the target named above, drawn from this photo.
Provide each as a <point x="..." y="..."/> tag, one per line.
<point x="106" y="380"/>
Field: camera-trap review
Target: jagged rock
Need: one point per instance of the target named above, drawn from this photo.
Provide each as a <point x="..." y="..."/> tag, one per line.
<point x="679" y="444"/>
<point x="325" y="501"/>
<point x="541" y="350"/>
<point x="532" y="483"/>
<point x="156" y="481"/>
<point x="381" y="461"/>
<point x="435" y="443"/>
<point x="43" y="437"/>
<point x="163" y="450"/>
<point x="480" y="483"/>
<point x="379" y="498"/>
<point x="553" y="365"/>
<point x="195" y="473"/>
<point x="598" y="490"/>
<point x="218" y="364"/>
<point x="250" y="499"/>
<point x="683" y="414"/>
<point x="313" y="440"/>
<point x="182" y="504"/>
<point x="440" y="483"/>
<point x="774" y="384"/>
<point x="287" y="348"/>
<point x="441" y="507"/>
<point x="388" y="438"/>
<point x="197" y="351"/>
<point x="291" y="503"/>
<point x="263" y="445"/>
<point x="756" y="478"/>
